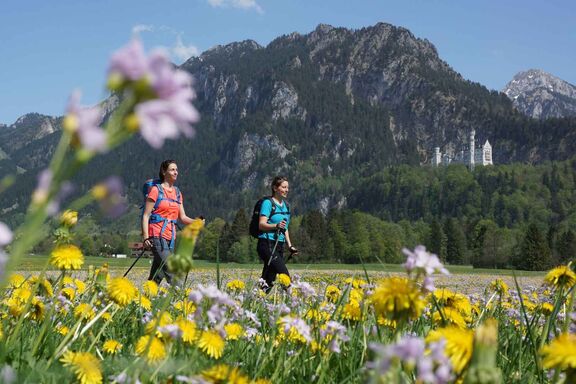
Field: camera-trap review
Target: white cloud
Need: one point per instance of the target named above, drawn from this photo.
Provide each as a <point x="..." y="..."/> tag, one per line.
<point x="137" y="29"/>
<point x="178" y="51"/>
<point x="242" y="4"/>
<point x="183" y="52"/>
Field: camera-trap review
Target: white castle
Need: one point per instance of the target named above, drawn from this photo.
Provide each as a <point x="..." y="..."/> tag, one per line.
<point x="481" y="155"/>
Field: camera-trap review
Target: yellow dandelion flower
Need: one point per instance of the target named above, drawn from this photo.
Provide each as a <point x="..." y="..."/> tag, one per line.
<point x="356" y="283"/>
<point x="499" y="286"/>
<point x="84" y="311"/>
<point x="386" y="323"/>
<point x="235" y="285"/>
<point x="21" y="295"/>
<point x="316" y="315"/>
<point x="356" y="294"/>
<point x="456" y="301"/>
<point x="284" y="280"/>
<point x="44" y="286"/>
<point x="546" y="309"/>
<point x="560" y="353"/>
<point x="223" y="373"/>
<point x="85" y="366"/>
<point x="161" y="320"/>
<point x="188" y="329"/>
<point x="69" y="218"/>
<point x="80" y="286"/>
<point x="144" y="302"/>
<point x="529" y="305"/>
<point x="451" y="316"/>
<point x="112" y="347"/>
<point x="121" y="291"/>
<point x="150" y="288"/>
<point x="459" y="345"/>
<point x="36" y="309"/>
<point x="192" y="230"/>
<point x="398" y="298"/>
<point x="16" y="280"/>
<point x="106" y="316"/>
<point x="15" y="307"/>
<point x="293" y="334"/>
<point x="99" y="191"/>
<point x="154" y="352"/>
<point x="561" y="277"/>
<point x="352" y="311"/>
<point x="212" y="344"/>
<point x="68" y="292"/>
<point x="67" y="256"/>
<point x="62" y="329"/>
<point x="185" y="306"/>
<point x="234" y="331"/>
<point x="333" y="293"/>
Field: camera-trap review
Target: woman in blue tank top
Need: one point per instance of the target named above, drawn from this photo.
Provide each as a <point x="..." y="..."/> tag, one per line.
<point x="273" y="225"/>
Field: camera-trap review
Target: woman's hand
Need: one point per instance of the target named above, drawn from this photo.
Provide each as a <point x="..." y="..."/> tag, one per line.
<point x="147" y="243"/>
<point x="281" y="226"/>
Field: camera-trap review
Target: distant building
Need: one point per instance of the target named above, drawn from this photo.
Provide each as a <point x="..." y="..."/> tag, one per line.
<point x="471" y="156"/>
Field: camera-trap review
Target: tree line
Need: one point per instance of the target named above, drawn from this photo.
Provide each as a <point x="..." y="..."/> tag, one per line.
<point x="505" y="216"/>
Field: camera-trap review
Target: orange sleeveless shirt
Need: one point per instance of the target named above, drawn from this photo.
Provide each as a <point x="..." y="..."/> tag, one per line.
<point x="166" y="209"/>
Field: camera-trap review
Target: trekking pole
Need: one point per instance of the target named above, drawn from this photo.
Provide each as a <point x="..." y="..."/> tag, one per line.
<point x="275" y="245"/>
<point x="135" y="261"/>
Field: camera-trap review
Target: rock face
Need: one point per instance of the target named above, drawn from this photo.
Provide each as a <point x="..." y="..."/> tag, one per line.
<point x="26" y="129"/>
<point x="540" y="95"/>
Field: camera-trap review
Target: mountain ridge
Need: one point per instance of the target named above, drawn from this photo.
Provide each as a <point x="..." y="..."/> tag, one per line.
<point x="541" y="95"/>
<point x="323" y="108"/>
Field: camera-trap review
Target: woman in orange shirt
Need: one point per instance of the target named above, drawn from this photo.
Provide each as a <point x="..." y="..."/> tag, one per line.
<point x="163" y="209"/>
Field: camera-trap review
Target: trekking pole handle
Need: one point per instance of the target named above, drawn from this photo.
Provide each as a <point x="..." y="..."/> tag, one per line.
<point x="280" y="227"/>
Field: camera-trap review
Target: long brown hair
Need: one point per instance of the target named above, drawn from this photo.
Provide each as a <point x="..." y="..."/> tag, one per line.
<point x="164" y="167"/>
<point x="276" y="182"/>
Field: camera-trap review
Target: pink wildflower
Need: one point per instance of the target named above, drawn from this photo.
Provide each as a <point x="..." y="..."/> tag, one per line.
<point x="85" y="123"/>
<point x="169" y="112"/>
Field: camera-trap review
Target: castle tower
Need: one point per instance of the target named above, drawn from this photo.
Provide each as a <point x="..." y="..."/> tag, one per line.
<point x="471" y="149"/>
<point x="487" y="153"/>
<point x="437" y="158"/>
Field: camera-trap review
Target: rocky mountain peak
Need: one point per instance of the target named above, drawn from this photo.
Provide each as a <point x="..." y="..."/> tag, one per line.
<point x="229" y="49"/>
<point x="30" y="127"/>
<point x="541" y="95"/>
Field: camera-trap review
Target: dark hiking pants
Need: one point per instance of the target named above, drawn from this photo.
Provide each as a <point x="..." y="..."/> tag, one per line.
<point x="277" y="264"/>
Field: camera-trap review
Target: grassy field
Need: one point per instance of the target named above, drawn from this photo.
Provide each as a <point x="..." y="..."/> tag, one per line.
<point x="36" y="263"/>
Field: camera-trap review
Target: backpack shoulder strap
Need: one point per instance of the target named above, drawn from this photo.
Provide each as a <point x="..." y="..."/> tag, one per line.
<point x="273" y="209"/>
<point x="160" y="196"/>
<point x="177" y="195"/>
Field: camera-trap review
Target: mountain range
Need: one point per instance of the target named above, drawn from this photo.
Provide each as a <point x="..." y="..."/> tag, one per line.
<point x="541" y="95"/>
<point x="325" y="108"/>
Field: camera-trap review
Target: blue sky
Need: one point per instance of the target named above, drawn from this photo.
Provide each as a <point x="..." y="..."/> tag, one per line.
<point x="50" y="48"/>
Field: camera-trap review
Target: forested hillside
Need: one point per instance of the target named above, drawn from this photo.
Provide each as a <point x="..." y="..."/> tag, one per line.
<point x="493" y="217"/>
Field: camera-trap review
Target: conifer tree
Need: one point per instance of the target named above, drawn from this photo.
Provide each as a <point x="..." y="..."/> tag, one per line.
<point x="240" y="225"/>
<point x="566" y="246"/>
<point x="437" y="241"/>
<point x="455" y="242"/>
<point x="534" y="252"/>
